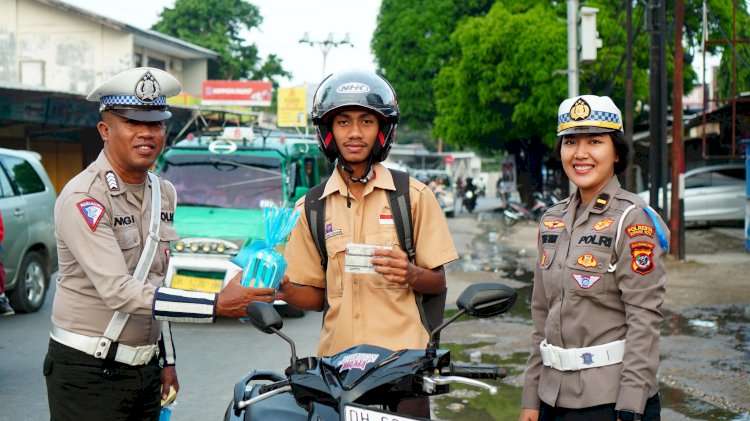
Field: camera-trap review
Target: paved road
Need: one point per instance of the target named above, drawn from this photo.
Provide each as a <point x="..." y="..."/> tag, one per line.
<point x="211" y="358"/>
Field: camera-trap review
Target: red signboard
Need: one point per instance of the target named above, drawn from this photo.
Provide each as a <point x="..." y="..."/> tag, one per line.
<point x="236" y="92"/>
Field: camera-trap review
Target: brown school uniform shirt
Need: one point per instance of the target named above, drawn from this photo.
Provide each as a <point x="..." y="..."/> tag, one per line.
<point x="101" y="227"/>
<point x="365" y="308"/>
<point x="592" y="289"/>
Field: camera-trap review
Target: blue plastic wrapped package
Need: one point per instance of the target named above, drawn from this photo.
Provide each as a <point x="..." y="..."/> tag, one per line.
<point x="262" y="266"/>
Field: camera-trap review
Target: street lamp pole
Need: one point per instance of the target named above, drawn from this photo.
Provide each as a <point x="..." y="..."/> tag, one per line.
<point x="325" y="46"/>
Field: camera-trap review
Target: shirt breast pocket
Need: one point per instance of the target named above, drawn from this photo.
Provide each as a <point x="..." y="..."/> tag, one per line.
<point x="127" y="237"/>
<point x="336" y="250"/>
<point x="167" y="234"/>
<point x="589" y="270"/>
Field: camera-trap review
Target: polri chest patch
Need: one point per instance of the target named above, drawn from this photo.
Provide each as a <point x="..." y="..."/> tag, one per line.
<point x="92" y="212"/>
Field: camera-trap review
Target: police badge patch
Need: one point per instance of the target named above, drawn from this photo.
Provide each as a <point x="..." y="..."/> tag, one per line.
<point x="586" y="281"/>
<point x="553" y="225"/>
<point x="603" y="224"/>
<point x="643" y="257"/>
<point x="92" y="212"/>
<point x="588" y="358"/>
<point x="587" y="261"/>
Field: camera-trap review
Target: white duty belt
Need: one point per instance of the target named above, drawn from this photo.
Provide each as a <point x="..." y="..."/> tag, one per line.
<point x="574" y="359"/>
<point x="99" y="347"/>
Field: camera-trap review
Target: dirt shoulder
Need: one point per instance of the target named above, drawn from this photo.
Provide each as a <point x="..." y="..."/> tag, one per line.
<point x="705" y="335"/>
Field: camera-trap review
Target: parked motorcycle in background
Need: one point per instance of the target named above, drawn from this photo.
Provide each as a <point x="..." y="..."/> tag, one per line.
<point x="365" y="381"/>
<point x="515" y="211"/>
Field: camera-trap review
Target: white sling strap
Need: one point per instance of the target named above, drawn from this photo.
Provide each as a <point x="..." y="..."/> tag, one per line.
<point x="141" y="270"/>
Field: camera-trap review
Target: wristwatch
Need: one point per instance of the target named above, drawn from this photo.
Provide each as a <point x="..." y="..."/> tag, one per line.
<point x="624" y="415"/>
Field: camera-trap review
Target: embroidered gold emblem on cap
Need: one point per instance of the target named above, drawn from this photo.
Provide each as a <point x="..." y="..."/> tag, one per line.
<point x="580" y="110"/>
<point x="147" y="89"/>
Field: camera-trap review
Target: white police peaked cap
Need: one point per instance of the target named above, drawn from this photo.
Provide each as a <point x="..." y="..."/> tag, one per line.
<point x="588" y="114"/>
<point x="138" y="94"/>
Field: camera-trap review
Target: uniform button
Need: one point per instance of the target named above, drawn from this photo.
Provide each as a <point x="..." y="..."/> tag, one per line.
<point x="559" y="266"/>
<point x="356" y="282"/>
<point x="356" y="316"/>
<point x="359" y="212"/>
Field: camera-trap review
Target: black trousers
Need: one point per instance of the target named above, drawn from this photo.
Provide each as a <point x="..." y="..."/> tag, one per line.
<point x="652" y="412"/>
<point x="81" y="387"/>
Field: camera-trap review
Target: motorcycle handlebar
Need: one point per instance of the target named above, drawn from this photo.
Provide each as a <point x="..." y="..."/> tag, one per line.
<point x="272" y="386"/>
<point x="478" y="371"/>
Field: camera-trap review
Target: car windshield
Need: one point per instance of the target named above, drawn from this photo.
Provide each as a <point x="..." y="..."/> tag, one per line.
<point x="221" y="181"/>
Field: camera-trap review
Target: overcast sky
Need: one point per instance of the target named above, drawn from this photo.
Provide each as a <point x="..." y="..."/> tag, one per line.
<point x="284" y="24"/>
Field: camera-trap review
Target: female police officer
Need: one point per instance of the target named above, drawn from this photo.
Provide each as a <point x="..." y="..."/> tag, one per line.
<point x="599" y="284"/>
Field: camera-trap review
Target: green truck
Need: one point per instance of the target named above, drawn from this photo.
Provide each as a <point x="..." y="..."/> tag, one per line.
<point x="223" y="181"/>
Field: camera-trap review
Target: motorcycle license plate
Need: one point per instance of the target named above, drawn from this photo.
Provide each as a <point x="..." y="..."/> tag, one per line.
<point x="357" y="413"/>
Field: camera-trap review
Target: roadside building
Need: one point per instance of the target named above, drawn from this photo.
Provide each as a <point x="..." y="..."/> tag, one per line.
<point x="53" y="54"/>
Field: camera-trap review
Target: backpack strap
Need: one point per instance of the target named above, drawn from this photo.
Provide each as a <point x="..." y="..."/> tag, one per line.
<point x="315" y="211"/>
<point x="431" y="306"/>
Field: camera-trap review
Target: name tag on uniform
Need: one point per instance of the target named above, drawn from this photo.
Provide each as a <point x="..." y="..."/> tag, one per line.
<point x="358" y="257"/>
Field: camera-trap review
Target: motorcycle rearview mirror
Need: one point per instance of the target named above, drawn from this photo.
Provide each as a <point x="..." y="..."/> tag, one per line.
<point x="266" y="319"/>
<point x="482" y="300"/>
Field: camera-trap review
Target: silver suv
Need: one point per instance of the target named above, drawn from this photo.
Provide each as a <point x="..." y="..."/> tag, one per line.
<point x="29" y="253"/>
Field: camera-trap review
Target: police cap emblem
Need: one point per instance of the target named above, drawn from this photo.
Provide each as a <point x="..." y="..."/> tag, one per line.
<point x="580" y="110"/>
<point x="147" y="89"/>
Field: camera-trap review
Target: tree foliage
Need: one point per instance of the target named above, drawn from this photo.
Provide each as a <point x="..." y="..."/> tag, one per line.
<point x="487" y="75"/>
<point x="217" y="25"/>
<point x="411" y="44"/>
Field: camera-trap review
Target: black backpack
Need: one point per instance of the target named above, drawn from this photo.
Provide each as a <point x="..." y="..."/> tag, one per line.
<point x="431" y="306"/>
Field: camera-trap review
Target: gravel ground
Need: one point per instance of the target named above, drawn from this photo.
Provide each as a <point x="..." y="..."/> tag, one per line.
<point x="705" y="344"/>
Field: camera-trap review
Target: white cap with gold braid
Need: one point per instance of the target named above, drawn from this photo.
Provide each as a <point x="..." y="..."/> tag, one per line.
<point x="138" y="94"/>
<point x="588" y="114"/>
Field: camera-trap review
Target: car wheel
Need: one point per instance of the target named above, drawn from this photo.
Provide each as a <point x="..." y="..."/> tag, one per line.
<point x="31" y="289"/>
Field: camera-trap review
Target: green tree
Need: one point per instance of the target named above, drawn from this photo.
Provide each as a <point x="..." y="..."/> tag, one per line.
<point x="217" y="25"/>
<point x="411" y="44"/>
<point x="505" y="79"/>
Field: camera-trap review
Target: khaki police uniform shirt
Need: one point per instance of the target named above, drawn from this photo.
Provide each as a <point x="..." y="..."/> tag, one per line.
<point x="97" y="260"/>
<point x="591" y="289"/>
<point x="365" y="308"/>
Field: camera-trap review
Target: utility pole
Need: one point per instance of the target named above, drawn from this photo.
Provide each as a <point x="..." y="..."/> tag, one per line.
<point x="325" y="46"/>
<point x="572" y="48"/>
<point x="677" y="214"/>
<point x="657" y="105"/>
<point x="629" y="178"/>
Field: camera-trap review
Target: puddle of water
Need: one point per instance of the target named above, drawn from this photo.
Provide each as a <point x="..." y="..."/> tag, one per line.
<point x="689" y="406"/>
<point x="708" y="322"/>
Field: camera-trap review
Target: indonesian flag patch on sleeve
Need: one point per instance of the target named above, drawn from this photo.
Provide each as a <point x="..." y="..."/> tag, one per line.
<point x="92" y="212"/>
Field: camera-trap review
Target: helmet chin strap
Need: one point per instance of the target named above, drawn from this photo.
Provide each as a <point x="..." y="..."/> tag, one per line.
<point x="363" y="180"/>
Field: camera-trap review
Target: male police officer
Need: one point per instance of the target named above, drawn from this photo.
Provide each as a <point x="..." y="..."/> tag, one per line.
<point x="111" y="350"/>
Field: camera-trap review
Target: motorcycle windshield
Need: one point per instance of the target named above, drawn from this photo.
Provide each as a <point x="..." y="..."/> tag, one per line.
<point x="355" y="362"/>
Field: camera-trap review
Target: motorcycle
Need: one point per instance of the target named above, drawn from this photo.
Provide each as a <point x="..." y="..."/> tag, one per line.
<point x="365" y="381"/>
<point x="470" y="200"/>
<point x="515" y="212"/>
